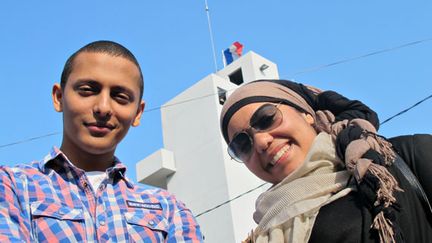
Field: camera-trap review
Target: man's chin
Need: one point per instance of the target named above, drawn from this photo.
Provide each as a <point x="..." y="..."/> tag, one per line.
<point x="99" y="148"/>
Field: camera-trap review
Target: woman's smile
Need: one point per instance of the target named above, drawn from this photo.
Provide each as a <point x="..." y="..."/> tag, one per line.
<point x="281" y="154"/>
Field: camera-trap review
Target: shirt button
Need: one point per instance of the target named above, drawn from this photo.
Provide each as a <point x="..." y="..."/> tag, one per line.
<point x="151" y="222"/>
<point x="102" y="223"/>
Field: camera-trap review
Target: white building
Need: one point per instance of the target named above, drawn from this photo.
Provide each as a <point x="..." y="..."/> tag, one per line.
<point x="194" y="164"/>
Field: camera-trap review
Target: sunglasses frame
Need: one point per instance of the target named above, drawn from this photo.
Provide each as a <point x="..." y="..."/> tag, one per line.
<point x="252" y="129"/>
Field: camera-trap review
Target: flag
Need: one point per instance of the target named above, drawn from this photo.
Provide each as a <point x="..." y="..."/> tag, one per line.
<point x="232" y="53"/>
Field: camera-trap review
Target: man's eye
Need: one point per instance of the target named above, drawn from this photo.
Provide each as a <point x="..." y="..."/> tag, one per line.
<point x="122" y="98"/>
<point x="86" y="90"/>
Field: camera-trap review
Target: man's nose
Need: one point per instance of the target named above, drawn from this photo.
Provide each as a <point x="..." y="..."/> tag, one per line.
<point x="102" y="107"/>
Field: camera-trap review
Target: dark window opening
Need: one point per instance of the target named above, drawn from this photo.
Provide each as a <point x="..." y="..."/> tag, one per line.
<point x="222" y="95"/>
<point x="236" y="77"/>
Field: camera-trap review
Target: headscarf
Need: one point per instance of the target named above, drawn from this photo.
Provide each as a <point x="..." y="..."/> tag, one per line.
<point x="353" y="127"/>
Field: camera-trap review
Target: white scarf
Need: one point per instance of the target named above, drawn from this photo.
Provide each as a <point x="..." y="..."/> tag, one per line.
<point x="287" y="211"/>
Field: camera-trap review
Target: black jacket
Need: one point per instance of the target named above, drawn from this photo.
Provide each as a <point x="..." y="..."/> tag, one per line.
<point x="347" y="220"/>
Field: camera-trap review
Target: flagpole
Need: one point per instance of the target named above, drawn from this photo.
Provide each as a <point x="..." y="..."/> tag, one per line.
<point x="211" y="35"/>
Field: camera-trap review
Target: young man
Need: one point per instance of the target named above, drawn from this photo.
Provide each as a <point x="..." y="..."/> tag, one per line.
<point x="79" y="193"/>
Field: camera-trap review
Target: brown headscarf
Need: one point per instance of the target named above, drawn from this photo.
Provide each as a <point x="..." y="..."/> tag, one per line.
<point x="353" y="127"/>
<point x="261" y="91"/>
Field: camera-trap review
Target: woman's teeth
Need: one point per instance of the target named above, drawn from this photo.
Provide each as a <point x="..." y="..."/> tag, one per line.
<point x="279" y="154"/>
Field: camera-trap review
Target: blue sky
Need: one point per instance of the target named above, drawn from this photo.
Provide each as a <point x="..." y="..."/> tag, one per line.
<point x="171" y="41"/>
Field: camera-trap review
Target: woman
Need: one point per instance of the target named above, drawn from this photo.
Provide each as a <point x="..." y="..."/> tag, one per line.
<point x="333" y="177"/>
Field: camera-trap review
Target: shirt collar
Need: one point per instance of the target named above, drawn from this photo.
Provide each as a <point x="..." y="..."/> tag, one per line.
<point x="117" y="171"/>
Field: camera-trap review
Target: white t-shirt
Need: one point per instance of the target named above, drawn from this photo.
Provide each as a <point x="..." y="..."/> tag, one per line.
<point x="95" y="178"/>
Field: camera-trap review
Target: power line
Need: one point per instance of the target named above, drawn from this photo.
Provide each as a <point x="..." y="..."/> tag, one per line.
<point x="407" y="109"/>
<point x="249" y="191"/>
<point x="29" y="139"/>
<point x="180" y="102"/>
<point x="387" y="120"/>
<point x="230" y="200"/>
<point x="299" y="72"/>
<point x="316" y="68"/>
<point x="148" y="110"/>
<point x="312" y="69"/>
<point x="193" y="99"/>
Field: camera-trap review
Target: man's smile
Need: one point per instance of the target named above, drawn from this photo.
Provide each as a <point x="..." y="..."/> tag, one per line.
<point x="99" y="128"/>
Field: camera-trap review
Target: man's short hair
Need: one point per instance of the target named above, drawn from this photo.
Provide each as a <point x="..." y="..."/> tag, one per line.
<point x="102" y="46"/>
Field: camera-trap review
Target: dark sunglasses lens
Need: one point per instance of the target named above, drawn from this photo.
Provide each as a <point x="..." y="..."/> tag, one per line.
<point x="266" y="117"/>
<point x="240" y="147"/>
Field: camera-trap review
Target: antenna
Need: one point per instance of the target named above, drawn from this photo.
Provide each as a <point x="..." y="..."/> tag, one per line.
<point x="211" y="35"/>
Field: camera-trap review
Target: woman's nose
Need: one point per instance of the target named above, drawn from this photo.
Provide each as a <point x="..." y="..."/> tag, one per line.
<point x="262" y="141"/>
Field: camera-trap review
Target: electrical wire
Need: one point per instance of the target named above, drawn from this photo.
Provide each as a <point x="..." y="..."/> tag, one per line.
<point x="230" y="200"/>
<point x="299" y="72"/>
<point x="247" y="192"/>
<point x="407" y="109"/>
<point x="251" y="190"/>
<point x="29" y="139"/>
<point x="316" y="68"/>
<point x="201" y="97"/>
<point x="241" y="195"/>
<point x="180" y="102"/>
<point x="56" y="133"/>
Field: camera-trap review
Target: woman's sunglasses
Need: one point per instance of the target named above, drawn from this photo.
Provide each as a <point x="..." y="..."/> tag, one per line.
<point x="267" y="117"/>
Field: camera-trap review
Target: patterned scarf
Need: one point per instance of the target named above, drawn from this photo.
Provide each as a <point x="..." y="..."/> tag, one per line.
<point x="287" y="211"/>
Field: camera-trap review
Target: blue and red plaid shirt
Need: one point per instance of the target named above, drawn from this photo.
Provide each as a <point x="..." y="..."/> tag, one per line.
<point x="53" y="201"/>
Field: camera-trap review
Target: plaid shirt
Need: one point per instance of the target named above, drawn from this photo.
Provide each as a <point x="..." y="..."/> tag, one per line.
<point x="53" y="201"/>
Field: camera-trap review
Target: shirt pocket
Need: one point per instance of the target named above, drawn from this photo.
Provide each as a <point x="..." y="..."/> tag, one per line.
<point x="146" y="226"/>
<point x="54" y="221"/>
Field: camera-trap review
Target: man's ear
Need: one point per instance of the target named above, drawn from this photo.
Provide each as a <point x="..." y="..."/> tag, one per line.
<point x="139" y="113"/>
<point x="57" y="96"/>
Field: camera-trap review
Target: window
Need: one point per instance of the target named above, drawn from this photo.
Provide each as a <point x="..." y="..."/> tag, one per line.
<point x="236" y="77"/>
<point x="222" y="95"/>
